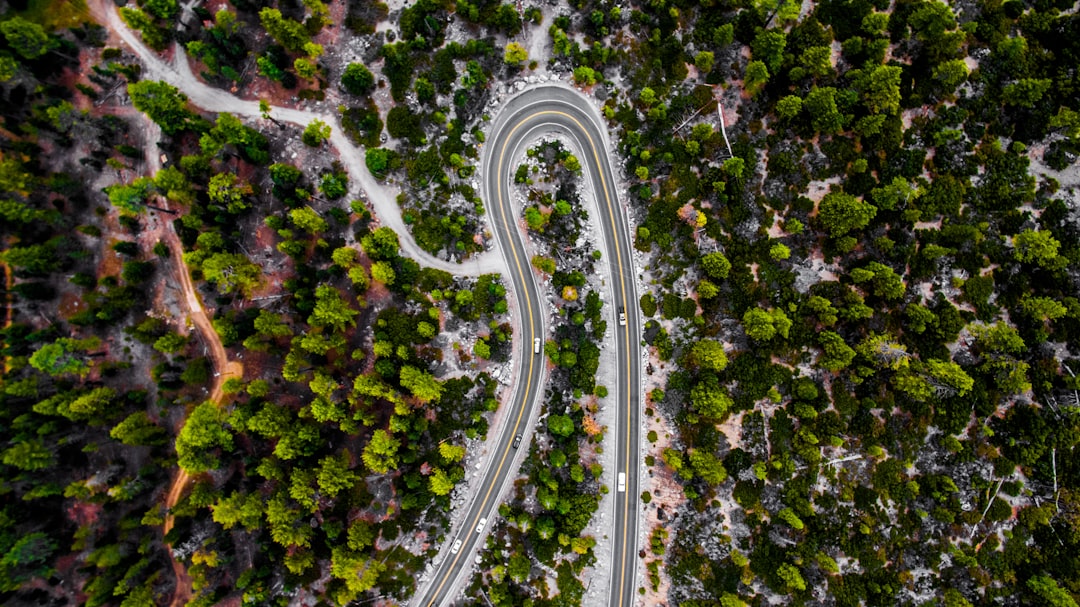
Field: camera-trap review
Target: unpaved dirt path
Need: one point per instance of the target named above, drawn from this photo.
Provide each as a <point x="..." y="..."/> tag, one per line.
<point x="223" y="368"/>
<point x="383" y="198"/>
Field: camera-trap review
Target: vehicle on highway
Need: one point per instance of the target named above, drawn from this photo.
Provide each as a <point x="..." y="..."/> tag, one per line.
<point x="457" y="546"/>
<point x="536" y="346"/>
<point x="480" y="525"/>
<point x="622" y="316"/>
<point x="622" y="482"/>
<point x="517" y="441"/>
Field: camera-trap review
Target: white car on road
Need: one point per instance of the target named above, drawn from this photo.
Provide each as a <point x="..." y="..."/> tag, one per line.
<point x="480" y="525"/>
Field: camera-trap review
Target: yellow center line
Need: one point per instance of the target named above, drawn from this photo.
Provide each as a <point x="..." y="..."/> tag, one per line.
<point x="525" y="344"/>
<point x="622" y="286"/>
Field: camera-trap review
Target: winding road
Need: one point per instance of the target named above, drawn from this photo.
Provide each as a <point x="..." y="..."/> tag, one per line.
<point x="382" y="196"/>
<point x="542" y="110"/>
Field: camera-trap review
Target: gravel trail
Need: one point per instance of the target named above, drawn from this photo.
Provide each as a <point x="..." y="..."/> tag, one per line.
<point x="382" y="197"/>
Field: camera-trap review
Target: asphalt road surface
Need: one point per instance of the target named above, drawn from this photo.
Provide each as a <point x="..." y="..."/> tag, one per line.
<point x="536" y="111"/>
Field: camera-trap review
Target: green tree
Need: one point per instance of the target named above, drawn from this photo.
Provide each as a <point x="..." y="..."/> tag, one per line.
<point x="331" y="310"/>
<point x="768" y="47"/>
<point x="380" y="454"/>
<point x="879" y="87"/>
<point x="933" y="24"/>
<point x="825" y="116"/>
<point x="707" y="289"/>
<point x="381" y="245"/>
<point x="1042" y="308"/>
<point x="841" y="213"/>
<point x="763" y="325"/>
<point x="1047" y="589"/>
<point x="584" y="76"/>
<point x="422" y="385"/>
<point x="757" y="75"/>
<point x="64" y="356"/>
<point x="203" y="433"/>
<point x="308" y="220"/>
<point x="837" y="354"/>
<point x="29" y="456"/>
<point x="886" y="282"/>
<point x="174" y="185"/>
<point x="451" y="453"/>
<point x="515" y="54"/>
<point x="170" y="343"/>
<point x="289" y="33"/>
<point x="716" y="265"/>
<point x="709" y="354"/>
<point x="228" y="190"/>
<point x="162" y="9"/>
<point x="817" y="61"/>
<point x="232" y="271"/>
<point x="284" y="523"/>
<point x="28" y="556"/>
<point x="788" y="516"/>
<point x="707" y="466"/>
<point x="358" y="574"/>
<point x="710" y="399"/>
<point x="703" y="61"/>
<point x="334" y="185"/>
<point x="1039" y="247"/>
<point x="26" y="37"/>
<point x="948" y="378"/>
<point x="131" y="197"/>
<point x="647" y="96"/>
<point x="334" y="474"/>
<point x="316" y="133"/>
<point x="440" y="482"/>
<point x="519" y="567"/>
<point x="950" y="74"/>
<point x="789" y="107"/>
<point x="271" y="325"/>
<point x="383" y="272"/>
<point x="89" y="405"/>
<point x="560" y="425"/>
<point x="792" y="577"/>
<point x="37" y="259"/>
<point x="1026" y="92"/>
<point x="138" y="430"/>
<point x="163" y="103"/>
<point x="244" y="509"/>
<point x="357" y="79"/>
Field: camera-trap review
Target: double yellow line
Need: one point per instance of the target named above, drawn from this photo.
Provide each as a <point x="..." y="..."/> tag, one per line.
<point x="500" y="175"/>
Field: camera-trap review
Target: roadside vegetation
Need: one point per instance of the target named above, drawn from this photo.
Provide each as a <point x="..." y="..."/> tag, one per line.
<point x="861" y="301"/>
<point x="335" y="455"/>
<point x="861" y="297"/>
<point x="545" y="527"/>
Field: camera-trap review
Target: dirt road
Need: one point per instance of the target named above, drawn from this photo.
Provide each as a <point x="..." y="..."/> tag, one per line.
<point x="382" y="197"/>
<point x="223" y="368"/>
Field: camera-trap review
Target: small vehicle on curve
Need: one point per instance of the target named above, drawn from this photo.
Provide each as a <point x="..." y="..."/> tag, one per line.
<point x="536" y="345"/>
<point x="622" y="316"/>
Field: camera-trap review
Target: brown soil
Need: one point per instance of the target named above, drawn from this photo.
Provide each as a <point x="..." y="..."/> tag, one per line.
<point x="223" y="369"/>
<point x="70" y="305"/>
